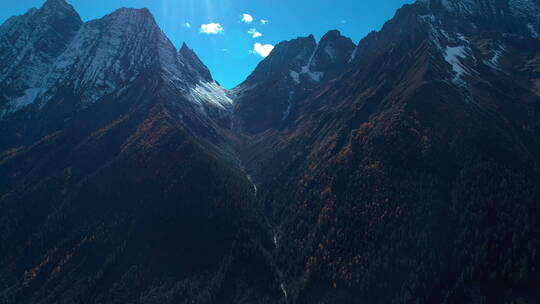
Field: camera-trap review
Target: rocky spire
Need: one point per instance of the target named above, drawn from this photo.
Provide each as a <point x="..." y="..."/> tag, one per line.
<point x="194" y="65"/>
<point x="287" y="55"/>
<point x="333" y="54"/>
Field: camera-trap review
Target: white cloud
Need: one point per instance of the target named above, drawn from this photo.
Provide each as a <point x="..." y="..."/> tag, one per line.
<point x="262" y="49"/>
<point x="254" y="33"/>
<point x="247" y="18"/>
<point x="212" y="28"/>
<point x="187" y="25"/>
<point x="264" y="21"/>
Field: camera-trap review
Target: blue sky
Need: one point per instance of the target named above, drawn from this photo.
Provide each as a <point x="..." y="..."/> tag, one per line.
<point x="229" y="52"/>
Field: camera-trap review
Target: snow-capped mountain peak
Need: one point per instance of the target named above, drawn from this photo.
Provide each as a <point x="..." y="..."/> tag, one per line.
<point x="29" y="45"/>
<point x="94" y="59"/>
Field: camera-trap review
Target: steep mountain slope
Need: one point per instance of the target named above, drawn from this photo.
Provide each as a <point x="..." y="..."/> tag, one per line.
<point x="415" y="177"/>
<point x="116" y="183"/>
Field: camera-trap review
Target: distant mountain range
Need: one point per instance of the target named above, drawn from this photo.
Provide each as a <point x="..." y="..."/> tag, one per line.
<point x="402" y="169"/>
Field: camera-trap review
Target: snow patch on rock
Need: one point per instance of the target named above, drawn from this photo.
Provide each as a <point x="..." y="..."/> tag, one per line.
<point x="211" y="93"/>
<point x="456" y="55"/>
<point x="353" y="55"/>
<point x="295" y="76"/>
<point x="496" y="57"/>
<point x="453" y="56"/>
<point x="29" y="97"/>
<point x="306" y="70"/>
<point x="289" y="106"/>
<point x="284" y="291"/>
<point x="330" y="51"/>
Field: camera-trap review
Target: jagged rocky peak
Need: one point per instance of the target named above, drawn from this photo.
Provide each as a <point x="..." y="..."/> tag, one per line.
<point x="94" y="59"/>
<point x="58" y="9"/>
<point x="333" y="53"/>
<point x="195" y="67"/>
<point x="29" y="45"/>
<point x="269" y="97"/>
<point x="47" y="29"/>
<point x="287" y="55"/>
<point x="111" y="52"/>
<point x="134" y="32"/>
<point x="151" y="48"/>
<point x="129" y="22"/>
<point x="304" y="61"/>
<point x="57" y="4"/>
<point x="56" y="16"/>
<point x="133" y="16"/>
<point x="327" y="60"/>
